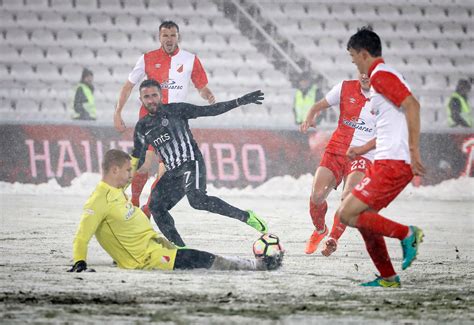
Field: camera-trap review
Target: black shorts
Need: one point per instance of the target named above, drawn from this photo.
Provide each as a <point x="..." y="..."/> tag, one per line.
<point x="191" y="175"/>
<point x="175" y="183"/>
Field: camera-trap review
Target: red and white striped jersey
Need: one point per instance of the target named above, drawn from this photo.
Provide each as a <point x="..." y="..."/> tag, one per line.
<point x="356" y="125"/>
<point x="173" y="72"/>
<point x="388" y="90"/>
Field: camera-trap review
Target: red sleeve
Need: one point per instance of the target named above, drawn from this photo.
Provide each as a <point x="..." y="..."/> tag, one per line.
<point x="198" y="76"/>
<point x="390" y="86"/>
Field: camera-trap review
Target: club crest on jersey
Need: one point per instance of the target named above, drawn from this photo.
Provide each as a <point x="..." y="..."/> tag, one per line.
<point x="130" y="209"/>
<point x="357" y="123"/>
<point x="170" y="84"/>
<point x="165" y="122"/>
<point x="179" y="68"/>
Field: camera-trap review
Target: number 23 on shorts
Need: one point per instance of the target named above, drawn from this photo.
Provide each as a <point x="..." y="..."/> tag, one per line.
<point x="358" y="164"/>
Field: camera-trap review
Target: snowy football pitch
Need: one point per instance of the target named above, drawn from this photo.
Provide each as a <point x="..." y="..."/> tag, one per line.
<point x="38" y="224"/>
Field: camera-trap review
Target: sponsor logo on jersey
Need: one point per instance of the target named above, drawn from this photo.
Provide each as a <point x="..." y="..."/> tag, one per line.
<point x="157" y="65"/>
<point x="89" y="212"/>
<point x="161" y="139"/>
<point x="130" y="209"/>
<point x="357" y="123"/>
<point x="352" y="100"/>
<point x="170" y="84"/>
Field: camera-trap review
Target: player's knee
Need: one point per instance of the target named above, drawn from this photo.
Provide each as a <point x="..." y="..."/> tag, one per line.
<point x="197" y="200"/>
<point x="345" y="215"/>
<point x="318" y="197"/>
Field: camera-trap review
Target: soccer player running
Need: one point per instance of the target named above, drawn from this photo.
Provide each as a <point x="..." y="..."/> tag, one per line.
<point x="173" y="68"/>
<point x="346" y="156"/>
<point x="397" y="159"/>
<point x="126" y="234"/>
<point x="167" y="131"/>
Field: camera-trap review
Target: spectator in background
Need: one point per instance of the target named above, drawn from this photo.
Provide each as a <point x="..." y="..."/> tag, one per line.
<point x="84" y="102"/>
<point x="305" y="97"/>
<point x="459" y="111"/>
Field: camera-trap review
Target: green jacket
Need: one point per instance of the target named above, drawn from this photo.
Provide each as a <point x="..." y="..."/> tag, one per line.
<point x="84" y="103"/>
<point x="303" y="103"/>
<point x="464" y="114"/>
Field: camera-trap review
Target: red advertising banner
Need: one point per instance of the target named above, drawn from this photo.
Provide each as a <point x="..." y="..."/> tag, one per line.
<point x="234" y="158"/>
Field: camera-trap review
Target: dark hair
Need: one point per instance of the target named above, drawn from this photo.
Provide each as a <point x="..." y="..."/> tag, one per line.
<point x="366" y="39"/>
<point x="114" y="157"/>
<point x="85" y="73"/>
<point x="168" y="24"/>
<point x="150" y="83"/>
<point x="463" y="84"/>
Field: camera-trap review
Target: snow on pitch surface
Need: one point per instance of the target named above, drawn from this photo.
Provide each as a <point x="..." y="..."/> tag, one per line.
<point x="38" y="223"/>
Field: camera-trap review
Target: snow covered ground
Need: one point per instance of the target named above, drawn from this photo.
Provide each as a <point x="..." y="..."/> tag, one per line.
<point x="38" y="223"/>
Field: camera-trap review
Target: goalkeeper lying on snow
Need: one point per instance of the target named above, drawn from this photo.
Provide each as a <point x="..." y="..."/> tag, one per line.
<point x="127" y="236"/>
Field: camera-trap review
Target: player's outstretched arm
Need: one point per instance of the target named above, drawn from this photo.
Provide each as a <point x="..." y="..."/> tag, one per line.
<point x="255" y="97"/>
<point x="193" y="111"/>
<point x="313" y="112"/>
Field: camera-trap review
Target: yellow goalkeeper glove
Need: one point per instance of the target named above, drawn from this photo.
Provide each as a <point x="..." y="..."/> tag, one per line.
<point x="134" y="164"/>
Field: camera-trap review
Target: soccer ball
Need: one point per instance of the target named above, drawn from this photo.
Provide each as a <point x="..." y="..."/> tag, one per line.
<point x="267" y="245"/>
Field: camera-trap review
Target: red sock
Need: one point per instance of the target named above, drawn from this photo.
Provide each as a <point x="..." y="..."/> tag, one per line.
<point x="377" y="250"/>
<point x="318" y="213"/>
<point x="138" y="182"/>
<point x="337" y="228"/>
<point x="375" y="223"/>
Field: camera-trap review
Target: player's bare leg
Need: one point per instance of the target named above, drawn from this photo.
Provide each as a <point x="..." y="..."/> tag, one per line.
<point x="323" y="183"/>
<point x="338" y="228"/>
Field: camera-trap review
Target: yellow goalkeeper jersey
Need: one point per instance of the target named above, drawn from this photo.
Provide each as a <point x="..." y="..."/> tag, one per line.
<point x="123" y="230"/>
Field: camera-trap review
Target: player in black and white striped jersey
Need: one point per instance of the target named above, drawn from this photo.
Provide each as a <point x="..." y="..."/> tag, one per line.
<point x="167" y="131"/>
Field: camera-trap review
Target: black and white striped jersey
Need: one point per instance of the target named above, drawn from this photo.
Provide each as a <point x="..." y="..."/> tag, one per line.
<point x="169" y="134"/>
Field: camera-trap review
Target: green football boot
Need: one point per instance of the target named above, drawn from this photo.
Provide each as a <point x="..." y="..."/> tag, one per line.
<point x="381" y="282"/>
<point x="257" y="222"/>
<point x="410" y="246"/>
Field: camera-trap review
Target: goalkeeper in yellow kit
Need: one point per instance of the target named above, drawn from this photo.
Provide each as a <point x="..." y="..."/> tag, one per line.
<point x="126" y="234"/>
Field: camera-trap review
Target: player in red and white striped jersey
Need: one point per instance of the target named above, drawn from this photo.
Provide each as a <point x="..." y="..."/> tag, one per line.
<point x="397" y="159"/>
<point x="356" y="127"/>
<point x="173" y="68"/>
